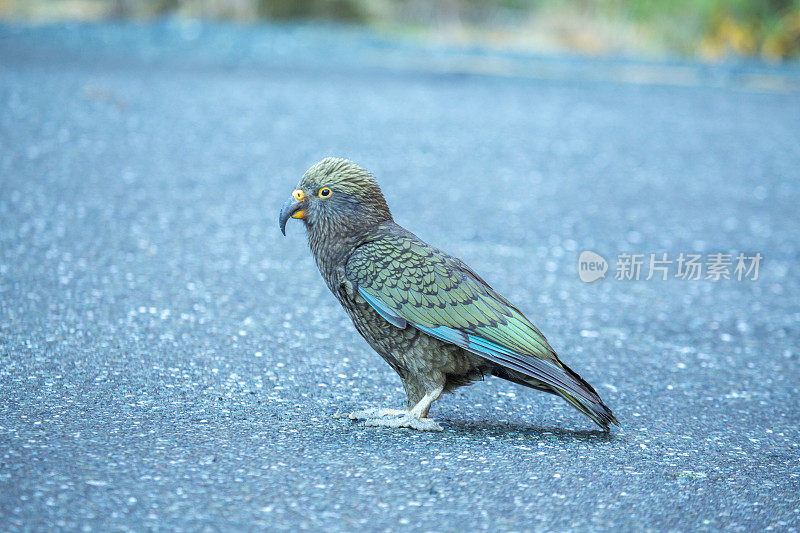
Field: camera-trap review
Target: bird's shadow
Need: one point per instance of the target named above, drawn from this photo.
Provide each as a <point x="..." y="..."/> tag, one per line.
<point x="514" y="430"/>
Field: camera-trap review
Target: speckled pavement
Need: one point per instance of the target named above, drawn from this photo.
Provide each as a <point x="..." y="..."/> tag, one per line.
<point x="169" y="361"/>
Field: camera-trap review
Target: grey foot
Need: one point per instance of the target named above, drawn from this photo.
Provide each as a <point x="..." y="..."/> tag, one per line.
<point x="406" y="421"/>
<point x="375" y="412"/>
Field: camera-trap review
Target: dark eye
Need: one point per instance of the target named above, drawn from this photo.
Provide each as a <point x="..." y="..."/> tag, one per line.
<point x="325" y="192"/>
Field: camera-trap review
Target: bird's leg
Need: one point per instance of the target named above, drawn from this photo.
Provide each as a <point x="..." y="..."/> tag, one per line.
<point x="424" y="405"/>
<point x="415" y="418"/>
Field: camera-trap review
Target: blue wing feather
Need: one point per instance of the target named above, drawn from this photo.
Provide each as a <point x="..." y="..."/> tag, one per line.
<point x="391" y="316"/>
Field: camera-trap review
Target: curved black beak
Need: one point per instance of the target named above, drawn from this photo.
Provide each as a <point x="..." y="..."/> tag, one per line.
<point x="291" y="209"/>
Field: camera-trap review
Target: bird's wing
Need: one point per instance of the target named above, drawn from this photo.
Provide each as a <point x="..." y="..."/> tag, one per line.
<point x="411" y="283"/>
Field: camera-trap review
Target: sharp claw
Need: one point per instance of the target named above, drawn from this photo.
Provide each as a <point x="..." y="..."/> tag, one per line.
<point x="407" y="421"/>
<point x="375" y="412"/>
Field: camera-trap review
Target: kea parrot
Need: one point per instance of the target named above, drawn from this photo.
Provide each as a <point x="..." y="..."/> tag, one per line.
<point x="436" y="322"/>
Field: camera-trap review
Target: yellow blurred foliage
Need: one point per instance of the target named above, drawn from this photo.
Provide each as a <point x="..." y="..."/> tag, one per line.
<point x="730" y="36"/>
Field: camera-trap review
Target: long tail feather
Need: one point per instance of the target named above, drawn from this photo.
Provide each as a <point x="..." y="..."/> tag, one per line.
<point x="597" y="411"/>
<point x="593" y="406"/>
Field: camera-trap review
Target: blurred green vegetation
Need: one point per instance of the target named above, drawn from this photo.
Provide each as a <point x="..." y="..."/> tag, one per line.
<point x="705" y="28"/>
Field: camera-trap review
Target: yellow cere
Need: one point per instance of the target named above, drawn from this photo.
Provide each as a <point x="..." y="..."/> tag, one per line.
<point x="299" y="195"/>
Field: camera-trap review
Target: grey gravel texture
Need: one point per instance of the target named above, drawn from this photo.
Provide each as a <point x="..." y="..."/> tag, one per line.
<point x="169" y="361"/>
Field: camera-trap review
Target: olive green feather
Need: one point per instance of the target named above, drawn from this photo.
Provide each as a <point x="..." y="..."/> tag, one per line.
<point x="430" y="288"/>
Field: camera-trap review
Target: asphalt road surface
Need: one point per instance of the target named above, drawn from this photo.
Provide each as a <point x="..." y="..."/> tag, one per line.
<point x="169" y="361"/>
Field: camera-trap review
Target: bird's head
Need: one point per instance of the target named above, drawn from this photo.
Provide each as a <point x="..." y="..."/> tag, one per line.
<point x="336" y="195"/>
